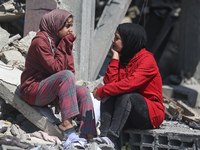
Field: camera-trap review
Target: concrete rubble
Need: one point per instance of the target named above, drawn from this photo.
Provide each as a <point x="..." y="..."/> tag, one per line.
<point x="10" y="82"/>
<point x="170" y="135"/>
<point x="180" y="130"/>
<point x="11" y="10"/>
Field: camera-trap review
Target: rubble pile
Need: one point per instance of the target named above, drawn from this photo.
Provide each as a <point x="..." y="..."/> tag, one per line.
<point x="13" y="50"/>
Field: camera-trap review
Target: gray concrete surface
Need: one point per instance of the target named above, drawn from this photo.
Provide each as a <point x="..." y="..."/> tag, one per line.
<point x="170" y="135"/>
<point x="189" y="94"/>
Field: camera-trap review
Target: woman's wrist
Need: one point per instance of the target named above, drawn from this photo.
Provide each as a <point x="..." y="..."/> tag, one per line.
<point x="115" y="56"/>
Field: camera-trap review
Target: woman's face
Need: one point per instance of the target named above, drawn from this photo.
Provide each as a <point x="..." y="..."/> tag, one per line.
<point x="117" y="42"/>
<point x="67" y="29"/>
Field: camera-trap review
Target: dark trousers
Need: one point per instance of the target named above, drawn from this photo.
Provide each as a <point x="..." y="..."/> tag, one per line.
<point x="127" y="110"/>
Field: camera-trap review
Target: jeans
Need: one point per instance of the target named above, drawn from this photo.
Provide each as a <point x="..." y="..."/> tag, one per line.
<point x="127" y="110"/>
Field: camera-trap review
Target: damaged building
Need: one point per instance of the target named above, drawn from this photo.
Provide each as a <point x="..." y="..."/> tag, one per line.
<point x="172" y="30"/>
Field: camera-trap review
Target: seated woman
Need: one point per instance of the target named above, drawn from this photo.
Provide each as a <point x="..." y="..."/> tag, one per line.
<point x="48" y="76"/>
<point x="133" y="86"/>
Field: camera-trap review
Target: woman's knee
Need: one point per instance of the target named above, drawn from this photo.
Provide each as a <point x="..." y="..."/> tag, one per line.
<point x="66" y="75"/>
<point x="137" y="99"/>
<point x="123" y="100"/>
<point x="82" y="91"/>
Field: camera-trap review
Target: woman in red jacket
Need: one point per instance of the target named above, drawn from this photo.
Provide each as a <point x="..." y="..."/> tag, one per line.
<point x="49" y="75"/>
<point x="133" y="86"/>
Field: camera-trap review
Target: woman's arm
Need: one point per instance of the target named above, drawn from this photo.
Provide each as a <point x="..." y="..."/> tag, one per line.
<point x="146" y="70"/>
<point x="53" y="63"/>
<point x="111" y="74"/>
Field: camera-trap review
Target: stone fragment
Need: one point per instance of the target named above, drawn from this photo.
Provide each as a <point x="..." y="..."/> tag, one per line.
<point x="4" y="38"/>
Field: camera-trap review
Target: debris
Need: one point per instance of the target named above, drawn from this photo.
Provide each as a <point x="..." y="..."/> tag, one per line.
<point x="14" y="38"/>
<point x="185" y="113"/>
<point x="177" y="111"/>
<point x="4" y="37"/>
<point x="11" y="11"/>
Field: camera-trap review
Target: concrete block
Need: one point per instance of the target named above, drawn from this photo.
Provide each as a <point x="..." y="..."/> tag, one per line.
<point x="186" y="93"/>
<point x="12" y="56"/>
<point x="24" y="44"/>
<point x="170" y="135"/>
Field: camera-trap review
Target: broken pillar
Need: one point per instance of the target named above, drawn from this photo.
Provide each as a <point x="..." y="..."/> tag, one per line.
<point x="112" y="15"/>
<point x="189" y="54"/>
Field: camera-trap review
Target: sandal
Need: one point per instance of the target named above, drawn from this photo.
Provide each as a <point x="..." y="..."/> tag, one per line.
<point x="65" y="133"/>
<point x="103" y="142"/>
<point x="74" y="140"/>
<point x="77" y="145"/>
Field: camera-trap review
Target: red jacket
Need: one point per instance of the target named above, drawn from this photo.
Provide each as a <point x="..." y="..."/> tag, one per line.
<point x="141" y="74"/>
<point x="41" y="63"/>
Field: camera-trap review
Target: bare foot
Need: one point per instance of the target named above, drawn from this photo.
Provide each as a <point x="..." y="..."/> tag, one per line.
<point x="66" y="124"/>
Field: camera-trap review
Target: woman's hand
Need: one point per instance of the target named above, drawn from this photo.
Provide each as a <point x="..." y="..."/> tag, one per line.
<point x="116" y="55"/>
<point x="95" y="94"/>
<point x="73" y="34"/>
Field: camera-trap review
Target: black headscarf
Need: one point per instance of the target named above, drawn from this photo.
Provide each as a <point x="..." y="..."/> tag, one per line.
<point x="134" y="38"/>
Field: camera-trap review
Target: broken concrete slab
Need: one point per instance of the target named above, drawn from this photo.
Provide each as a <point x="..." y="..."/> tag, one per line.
<point x="24" y="44"/>
<point x="4" y="38"/>
<point x="177" y="110"/>
<point x="9" y="85"/>
<point x="189" y="114"/>
<point x="12" y="56"/>
<point x="190" y="94"/>
<point x="14" y="38"/>
<point x="7" y="6"/>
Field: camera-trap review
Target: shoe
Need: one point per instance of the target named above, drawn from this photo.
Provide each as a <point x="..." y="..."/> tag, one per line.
<point x="92" y="146"/>
<point x="77" y="145"/>
<point x="74" y="140"/>
<point x="104" y="143"/>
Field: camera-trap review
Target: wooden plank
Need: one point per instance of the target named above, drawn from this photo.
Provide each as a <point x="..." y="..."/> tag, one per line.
<point x="112" y="15"/>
